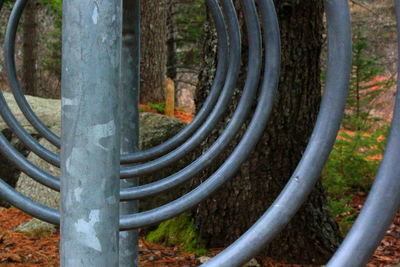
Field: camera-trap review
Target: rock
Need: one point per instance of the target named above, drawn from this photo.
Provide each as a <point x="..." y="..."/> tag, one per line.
<point x="36" y="225"/>
<point x="48" y="110"/>
<point x="35" y="190"/>
<point x="204" y="259"/>
<point x="8" y="172"/>
<point x="252" y="263"/>
<point x="154" y="129"/>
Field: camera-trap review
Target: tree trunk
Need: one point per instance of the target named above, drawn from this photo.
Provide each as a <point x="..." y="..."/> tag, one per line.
<point x="312" y="236"/>
<point x="171" y="42"/>
<point x="29" y="82"/>
<point x="153" y="50"/>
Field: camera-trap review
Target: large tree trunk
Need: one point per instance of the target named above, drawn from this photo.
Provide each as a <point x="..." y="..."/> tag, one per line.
<point x="153" y="50"/>
<point x="312" y="236"/>
<point x="29" y="82"/>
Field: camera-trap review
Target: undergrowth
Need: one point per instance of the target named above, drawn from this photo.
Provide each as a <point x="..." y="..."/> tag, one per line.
<point x="358" y="150"/>
<point x="351" y="168"/>
<point x="180" y="232"/>
<point x="159" y="107"/>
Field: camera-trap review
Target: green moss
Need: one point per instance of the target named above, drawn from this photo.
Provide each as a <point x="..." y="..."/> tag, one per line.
<point x="159" y="107"/>
<point x="37" y="233"/>
<point x="180" y="232"/>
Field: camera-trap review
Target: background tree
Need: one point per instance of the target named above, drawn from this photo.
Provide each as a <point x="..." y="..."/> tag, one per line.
<point x="365" y="86"/>
<point x="153" y="50"/>
<point x="171" y="41"/>
<point x="312" y="235"/>
<point x="185" y="39"/>
<point x="29" y="26"/>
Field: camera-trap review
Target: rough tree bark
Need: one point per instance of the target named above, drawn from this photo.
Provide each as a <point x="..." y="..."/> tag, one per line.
<point x="312" y="235"/>
<point x="29" y="26"/>
<point x="153" y="50"/>
<point x="171" y="41"/>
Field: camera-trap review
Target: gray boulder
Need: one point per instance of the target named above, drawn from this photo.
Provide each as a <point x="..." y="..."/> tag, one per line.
<point x="36" y="225"/>
<point x="154" y="129"/>
<point x="252" y="263"/>
<point x="47" y="109"/>
<point x="33" y="189"/>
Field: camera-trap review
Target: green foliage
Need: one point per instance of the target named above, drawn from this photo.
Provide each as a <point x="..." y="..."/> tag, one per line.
<point x="8" y="3"/>
<point x="354" y="161"/>
<point x="159" y="107"/>
<point x="351" y="168"/>
<point x="55" y="5"/>
<point x="189" y="17"/>
<point x="343" y="212"/>
<point x="178" y="231"/>
<point x="38" y="233"/>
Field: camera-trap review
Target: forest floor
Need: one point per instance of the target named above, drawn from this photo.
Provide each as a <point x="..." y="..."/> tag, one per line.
<point x="41" y="249"/>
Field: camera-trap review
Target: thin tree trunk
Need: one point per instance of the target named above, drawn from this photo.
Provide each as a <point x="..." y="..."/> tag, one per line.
<point x="312" y="236"/>
<point x="171" y="42"/>
<point x="29" y="26"/>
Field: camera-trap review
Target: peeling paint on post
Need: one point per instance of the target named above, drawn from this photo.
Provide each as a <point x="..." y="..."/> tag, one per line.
<point x="129" y="104"/>
<point x="90" y="132"/>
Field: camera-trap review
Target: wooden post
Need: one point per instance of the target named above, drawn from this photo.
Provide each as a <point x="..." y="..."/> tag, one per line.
<point x="170" y="98"/>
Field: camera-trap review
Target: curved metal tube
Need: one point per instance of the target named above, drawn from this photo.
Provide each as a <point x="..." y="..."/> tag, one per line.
<point x="357" y="247"/>
<point x="53" y="182"/>
<point x="246" y="145"/>
<point x="235" y="124"/>
<point x="307" y="172"/>
<point x="240" y="154"/>
<point x="214" y="117"/>
<point x="26" y="166"/>
<point x="21" y="133"/>
<point x="209" y="103"/>
<point x="47" y="179"/>
<point x="383" y="200"/>
<point x="9" y="51"/>
<point x="27" y="205"/>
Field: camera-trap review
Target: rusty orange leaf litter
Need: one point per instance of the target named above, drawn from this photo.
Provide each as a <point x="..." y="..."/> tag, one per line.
<point x="18" y="249"/>
<point x="178" y="114"/>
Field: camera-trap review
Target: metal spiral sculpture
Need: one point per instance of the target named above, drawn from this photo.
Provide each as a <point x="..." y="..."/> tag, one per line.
<point x="92" y="126"/>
